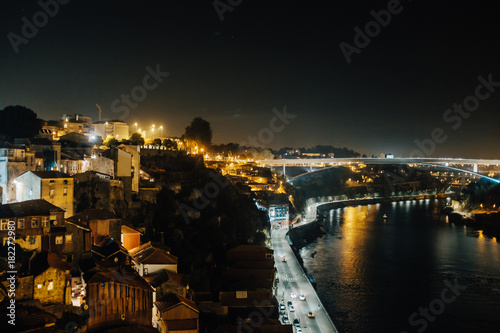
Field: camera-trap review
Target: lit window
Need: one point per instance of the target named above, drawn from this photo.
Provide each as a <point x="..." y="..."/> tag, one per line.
<point x="39" y="286"/>
<point x="50" y="286"/>
<point x="51" y="193"/>
<point x="69" y="238"/>
<point x="45" y="222"/>
<point x="20" y="223"/>
<point x="4" y="225"/>
<point x="34" y="222"/>
<point x="65" y="191"/>
<point x="59" y="239"/>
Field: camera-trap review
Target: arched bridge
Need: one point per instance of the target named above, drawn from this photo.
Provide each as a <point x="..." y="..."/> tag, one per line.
<point x="455" y="164"/>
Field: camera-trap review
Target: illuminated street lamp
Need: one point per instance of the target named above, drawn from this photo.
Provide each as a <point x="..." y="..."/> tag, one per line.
<point x="161" y="130"/>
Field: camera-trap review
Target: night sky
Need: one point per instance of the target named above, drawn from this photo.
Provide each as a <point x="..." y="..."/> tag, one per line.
<point x="266" y="55"/>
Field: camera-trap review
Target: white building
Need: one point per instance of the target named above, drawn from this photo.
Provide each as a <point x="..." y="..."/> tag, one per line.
<point x="117" y="129"/>
<point x="14" y="160"/>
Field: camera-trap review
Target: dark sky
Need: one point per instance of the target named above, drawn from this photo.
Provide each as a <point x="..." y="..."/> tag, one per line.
<point x="265" y="55"/>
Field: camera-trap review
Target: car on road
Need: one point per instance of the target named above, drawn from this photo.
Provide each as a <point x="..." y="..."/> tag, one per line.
<point x="292" y="309"/>
<point x="302" y="297"/>
<point x="293" y="295"/>
<point x="286" y="320"/>
<point x="296" y="322"/>
<point x="283" y="259"/>
<point x="289" y="303"/>
<point x="298" y="329"/>
<point x="310" y="315"/>
<point x="282" y="306"/>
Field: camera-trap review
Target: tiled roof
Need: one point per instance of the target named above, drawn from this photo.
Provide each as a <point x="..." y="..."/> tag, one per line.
<point x="50" y="174"/>
<point x="149" y="244"/>
<point x="93" y="214"/>
<point x="163" y="276"/>
<point x="128" y="230"/>
<point x="172" y="300"/>
<point x="38" y="207"/>
<point x="123" y="276"/>
<point x="43" y="260"/>
<point x="107" y="247"/>
<point x="152" y="255"/>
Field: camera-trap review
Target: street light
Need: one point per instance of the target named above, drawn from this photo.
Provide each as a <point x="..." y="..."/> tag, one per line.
<point x="161" y="130"/>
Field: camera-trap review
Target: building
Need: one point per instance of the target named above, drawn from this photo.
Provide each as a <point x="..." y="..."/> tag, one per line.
<point x="117" y="129"/>
<point x="52" y="278"/>
<point x="176" y="314"/>
<point x="118" y="297"/>
<point x="151" y="258"/>
<point x="50" y="152"/>
<point x="14" y="161"/>
<point x="53" y="186"/>
<point x="37" y="224"/>
<point x="248" y="282"/>
<point x="134" y="151"/>
<point x="103" y="223"/>
<point x="130" y="238"/>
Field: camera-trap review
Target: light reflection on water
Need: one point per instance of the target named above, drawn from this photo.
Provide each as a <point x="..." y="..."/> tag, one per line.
<point x="373" y="273"/>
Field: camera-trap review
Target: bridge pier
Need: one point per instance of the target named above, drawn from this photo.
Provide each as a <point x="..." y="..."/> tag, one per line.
<point x="284" y="170"/>
<point x="474" y="167"/>
<point x="310" y="167"/>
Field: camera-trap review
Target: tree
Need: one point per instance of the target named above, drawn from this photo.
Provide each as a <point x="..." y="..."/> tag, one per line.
<point x="111" y="142"/>
<point x="199" y="131"/>
<point x="170" y="144"/>
<point x="157" y="142"/>
<point x="137" y="139"/>
<point x="19" y="122"/>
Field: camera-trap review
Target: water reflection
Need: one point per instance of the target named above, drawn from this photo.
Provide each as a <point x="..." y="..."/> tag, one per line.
<point x="373" y="274"/>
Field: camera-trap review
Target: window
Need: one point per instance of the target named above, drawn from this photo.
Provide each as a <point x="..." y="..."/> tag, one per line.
<point x="65" y="182"/>
<point x="269" y="256"/>
<point x="50" y="286"/>
<point x="39" y="286"/>
<point x="45" y="222"/>
<point x="65" y="191"/>
<point x="4" y="224"/>
<point x="69" y="238"/>
<point x="59" y="240"/>
<point x="20" y="224"/>
<point x="34" y="222"/>
<point x="51" y="193"/>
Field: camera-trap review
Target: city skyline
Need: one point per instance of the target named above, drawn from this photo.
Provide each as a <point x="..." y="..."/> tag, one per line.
<point x="374" y="91"/>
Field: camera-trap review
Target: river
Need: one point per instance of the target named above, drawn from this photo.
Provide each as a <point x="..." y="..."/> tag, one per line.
<point x="413" y="272"/>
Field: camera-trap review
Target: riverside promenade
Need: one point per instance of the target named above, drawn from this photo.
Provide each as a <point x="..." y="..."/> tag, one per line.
<point x="293" y="282"/>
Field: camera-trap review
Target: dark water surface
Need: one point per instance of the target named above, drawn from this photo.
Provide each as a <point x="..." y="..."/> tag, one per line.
<point x="372" y="274"/>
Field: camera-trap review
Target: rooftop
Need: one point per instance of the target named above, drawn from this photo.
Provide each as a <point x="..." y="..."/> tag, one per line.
<point x="38" y="207"/>
<point x="49" y="174"/>
<point x="172" y="300"/>
<point x="93" y="214"/>
<point x="152" y="255"/>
